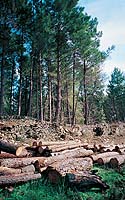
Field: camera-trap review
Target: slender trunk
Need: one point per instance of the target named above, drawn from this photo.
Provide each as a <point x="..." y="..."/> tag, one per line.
<point x="67" y="105"/>
<point x="11" y="89"/>
<point x="31" y="86"/>
<point x="26" y="95"/>
<point x="59" y="87"/>
<point x="20" y="82"/>
<point x="37" y="94"/>
<point x="73" y="109"/>
<point x="85" y="95"/>
<point x="114" y="117"/>
<point x="49" y="93"/>
<point x="40" y="82"/>
<point x="2" y="82"/>
<point x="53" y="102"/>
<point x="77" y="99"/>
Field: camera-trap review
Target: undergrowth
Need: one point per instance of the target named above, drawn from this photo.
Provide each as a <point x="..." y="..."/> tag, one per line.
<point x="43" y="190"/>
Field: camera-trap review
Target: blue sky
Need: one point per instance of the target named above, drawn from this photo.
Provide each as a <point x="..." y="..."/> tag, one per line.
<point x="111" y="18"/>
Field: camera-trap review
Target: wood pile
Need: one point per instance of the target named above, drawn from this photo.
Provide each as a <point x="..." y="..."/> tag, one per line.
<point x="68" y="159"/>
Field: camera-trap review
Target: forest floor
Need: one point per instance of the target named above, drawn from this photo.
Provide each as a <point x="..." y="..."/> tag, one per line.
<point x="26" y="130"/>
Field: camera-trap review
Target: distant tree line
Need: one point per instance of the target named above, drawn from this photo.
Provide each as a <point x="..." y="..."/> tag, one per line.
<point x="50" y="64"/>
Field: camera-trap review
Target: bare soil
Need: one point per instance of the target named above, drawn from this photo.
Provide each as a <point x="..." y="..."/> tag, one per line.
<point x="26" y="130"/>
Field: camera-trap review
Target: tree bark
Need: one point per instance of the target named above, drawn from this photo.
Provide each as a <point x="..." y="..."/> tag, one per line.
<point x="2" y="81"/>
<point x="21" y="162"/>
<point x="7" y="147"/>
<point x="67" y="147"/>
<point x="11" y="88"/>
<point x="40" y="82"/>
<point x="75" y="153"/>
<point x="103" y="155"/>
<point x="9" y="171"/>
<point x="117" y="161"/>
<point x="59" y="87"/>
<point x="31" y="84"/>
<point x="49" y="91"/>
<point x="18" y="178"/>
<point x="21" y="76"/>
<point x="28" y="169"/>
<point x="7" y="155"/>
<point x="85" y="95"/>
<point x="73" y="165"/>
<point x="73" y="101"/>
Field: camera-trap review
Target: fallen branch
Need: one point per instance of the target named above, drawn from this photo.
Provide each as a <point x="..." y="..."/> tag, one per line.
<point x="86" y="181"/>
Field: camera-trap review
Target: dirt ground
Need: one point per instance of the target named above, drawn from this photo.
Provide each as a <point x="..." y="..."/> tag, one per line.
<point x="26" y="130"/>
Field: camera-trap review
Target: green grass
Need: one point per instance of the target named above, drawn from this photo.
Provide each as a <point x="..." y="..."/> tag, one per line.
<point x="41" y="190"/>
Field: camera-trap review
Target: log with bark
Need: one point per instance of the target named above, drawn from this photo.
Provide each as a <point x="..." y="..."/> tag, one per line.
<point x="26" y="169"/>
<point x="66" y="147"/>
<point x="75" y="153"/>
<point x="18" y="178"/>
<point x="8" y="147"/>
<point x="7" y="155"/>
<point x="22" y="151"/>
<point x="117" y="161"/>
<point x="7" y="171"/>
<point x="21" y="162"/>
<point x="72" y="165"/>
<point x="103" y="155"/>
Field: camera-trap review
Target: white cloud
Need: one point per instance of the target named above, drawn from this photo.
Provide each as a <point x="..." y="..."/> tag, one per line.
<point x="113" y="34"/>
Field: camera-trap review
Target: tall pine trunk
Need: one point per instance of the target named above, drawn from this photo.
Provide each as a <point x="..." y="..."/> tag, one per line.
<point x="59" y="87"/>
<point x="31" y="86"/>
<point x="2" y="81"/>
<point x="73" y="100"/>
<point x="49" y="92"/>
<point x="40" y="82"/>
<point x="37" y="93"/>
<point x="85" y="106"/>
<point x="67" y="105"/>
<point x="11" y="87"/>
<point x="20" y="81"/>
<point x="26" y="96"/>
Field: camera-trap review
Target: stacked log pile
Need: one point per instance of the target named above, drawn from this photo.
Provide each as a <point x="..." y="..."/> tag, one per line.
<point x="72" y="160"/>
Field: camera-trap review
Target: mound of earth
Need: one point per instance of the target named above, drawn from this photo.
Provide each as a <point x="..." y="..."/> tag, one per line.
<point x="26" y="130"/>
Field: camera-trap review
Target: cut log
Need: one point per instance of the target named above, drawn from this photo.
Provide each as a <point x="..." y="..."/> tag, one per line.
<point x="81" y="180"/>
<point x="7" y="171"/>
<point x="117" y="161"/>
<point x="28" y="169"/>
<point x="18" y="178"/>
<point x="33" y="151"/>
<point x="105" y="160"/>
<point x="66" y="147"/>
<point x="7" y="155"/>
<point x="20" y="162"/>
<point x="7" y="147"/>
<point x="76" y="153"/>
<point x="103" y="155"/>
<point x="72" y="165"/>
<point x="22" y="152"/>
<point x="59" y="143"/>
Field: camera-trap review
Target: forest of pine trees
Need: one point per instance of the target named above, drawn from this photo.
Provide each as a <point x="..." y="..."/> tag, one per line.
<point x="50" y="64"/>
